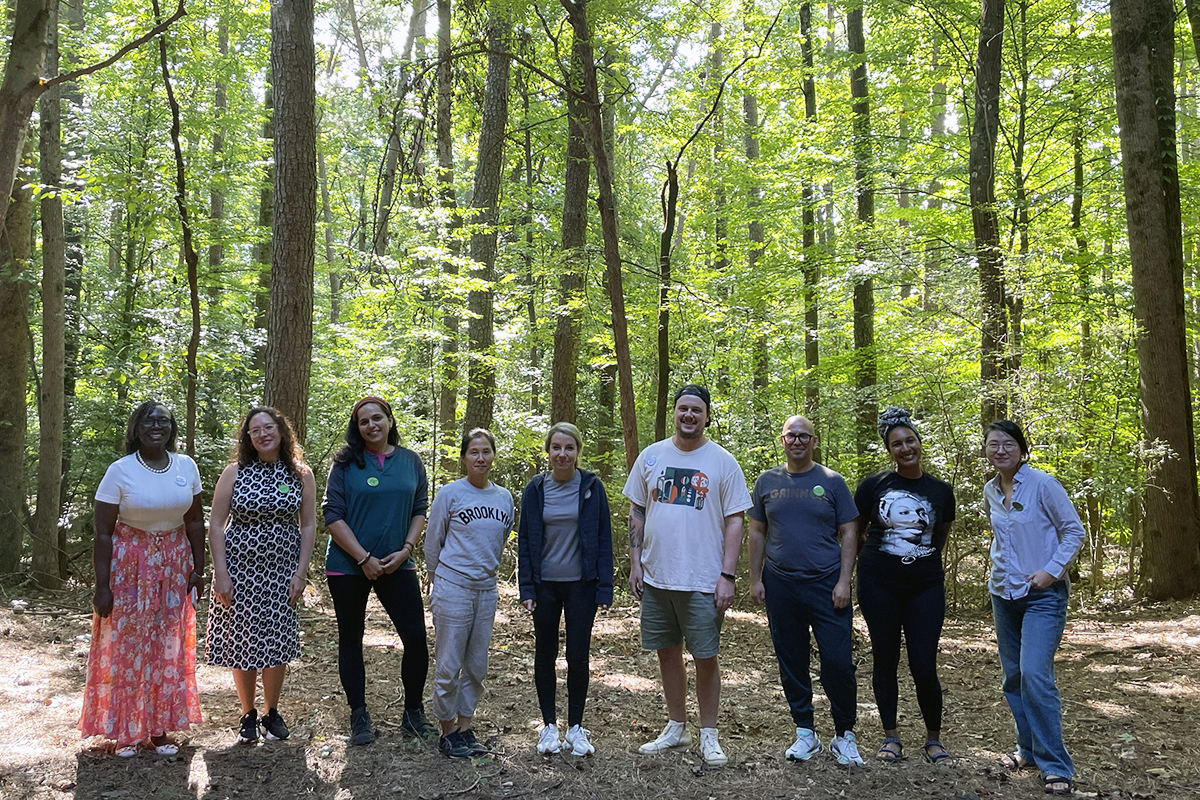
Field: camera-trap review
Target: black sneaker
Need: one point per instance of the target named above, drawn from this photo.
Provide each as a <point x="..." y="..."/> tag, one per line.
<point x="274" y="728"/>
<point x="361" y="731"/>
<point x="415" y="723"/>
<point x="248" y="734"/>
<point x="453" y="745"/>
<point x="474" y="745"/>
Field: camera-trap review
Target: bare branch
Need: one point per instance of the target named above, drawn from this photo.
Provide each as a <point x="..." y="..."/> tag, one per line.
<point x="76" y="74"/>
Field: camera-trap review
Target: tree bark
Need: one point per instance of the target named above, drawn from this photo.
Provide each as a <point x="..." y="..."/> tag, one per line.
<point x="576" y="177"/>
<point x="189" y="251"/>
<point x="866" y="370"/>
<point x="448" y="379"/>
<point x="481" y="381"/>
<point x="1143" y="66"/>
<point x="261" y="252"/>
<point x="216" y="197"/>
<point x="26" y="56"/>
<point x="289" y="327"/>
<point x="16" y="244"/>
<point x="993" y="354"/>
<point x="811" y="265"/>
<point x="44" y="549"/>
<point x="577" y="14"/>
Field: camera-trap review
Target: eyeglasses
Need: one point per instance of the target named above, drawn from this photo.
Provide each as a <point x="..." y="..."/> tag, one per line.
<point x="256" y="432"/>
<point x="1007" y="447"/>
<point x="802" y="438"/>
<point x="156" y="422"/>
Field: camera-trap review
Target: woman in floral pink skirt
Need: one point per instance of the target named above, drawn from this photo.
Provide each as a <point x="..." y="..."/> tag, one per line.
<point x="149" y="559"/>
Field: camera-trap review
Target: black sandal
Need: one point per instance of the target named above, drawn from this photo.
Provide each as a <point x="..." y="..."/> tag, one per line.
<point x="1014" y="761"/>
<point x="941" y="755"/>
<point x="1050" y="781"/>
<point x="886" y="754"/>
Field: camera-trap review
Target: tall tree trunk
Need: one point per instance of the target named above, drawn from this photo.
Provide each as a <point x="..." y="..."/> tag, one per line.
<point x="335" y="277"/>
<point x="577" y="13"/>
<point x="993" y="354"/>
<point x="216" y="195"/>
<point x="937" y="129"/>
<point x="669" y="199"/>
<point x="54" y="256"/>
<point x="531" y="280"/>
<point x="1143" y="67"/>
<point x="264" y="244"/>
<point x="26" y="56"/>
<point x="73" y="226"/>
<point x="391" y="158"/>
<point x="756" y="237"/>
<point x="16" y="244"/>
<point x="864" y="287"/>
<point x="481" y="383"/>
<point x="289" y="328"/>
<point x="811" y="265"/>
<point x="576" y="176"/>
<point x="448" y="379"/>
<point x="1014" y="302"/>
<point x="189" y="252"/>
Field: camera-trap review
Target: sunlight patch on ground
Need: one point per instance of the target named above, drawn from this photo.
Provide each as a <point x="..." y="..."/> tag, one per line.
<point x="198" y="775"/>
<point x="1183" y="691"/>
<point x="753" y="617"/>
<point x="1109" y="669"/>
<point x="1110" y="709"/>
<point x="630" y="683"/>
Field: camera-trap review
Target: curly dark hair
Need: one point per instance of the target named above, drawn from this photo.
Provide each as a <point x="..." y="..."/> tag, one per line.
<point x="290" y="451"/>
<point x="353" y="449"/>
<point x="894" y="417"/>
<point x="132" y="440"/>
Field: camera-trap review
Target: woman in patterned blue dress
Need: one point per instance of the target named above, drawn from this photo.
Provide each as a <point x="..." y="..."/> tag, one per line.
<point x="261" y="533"/>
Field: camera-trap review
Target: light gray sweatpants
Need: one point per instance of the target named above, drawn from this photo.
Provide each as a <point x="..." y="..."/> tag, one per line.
<point x="462" y="625"/>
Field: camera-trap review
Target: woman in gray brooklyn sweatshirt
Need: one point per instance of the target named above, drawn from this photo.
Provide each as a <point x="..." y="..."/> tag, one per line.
<point x="469" y="523"/>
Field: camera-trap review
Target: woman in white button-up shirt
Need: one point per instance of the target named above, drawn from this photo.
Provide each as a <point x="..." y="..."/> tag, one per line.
<point x="1036" y="534"/>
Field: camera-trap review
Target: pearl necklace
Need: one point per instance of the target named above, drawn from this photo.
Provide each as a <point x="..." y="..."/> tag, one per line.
<point x="142" y="461"/>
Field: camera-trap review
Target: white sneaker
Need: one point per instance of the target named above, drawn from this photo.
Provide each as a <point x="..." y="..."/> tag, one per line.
<point x="674" y="736"/>
<point x="807" y="745"/>
<point x="845" y="750"/>
<point x="710" y="748"/>
<point x="577" y="739"/>
<point x="548" y="740"/>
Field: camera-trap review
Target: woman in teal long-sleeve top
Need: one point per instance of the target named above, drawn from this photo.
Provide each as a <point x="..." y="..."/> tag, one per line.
<point x="375" y="505"/>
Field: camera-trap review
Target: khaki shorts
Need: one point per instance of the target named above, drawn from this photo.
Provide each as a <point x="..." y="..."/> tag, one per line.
<point x="671" y="617"/>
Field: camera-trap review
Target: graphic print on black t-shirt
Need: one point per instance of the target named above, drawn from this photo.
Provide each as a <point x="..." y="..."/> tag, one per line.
<point x="909" y="520"/>
<point x="682" y="487"/>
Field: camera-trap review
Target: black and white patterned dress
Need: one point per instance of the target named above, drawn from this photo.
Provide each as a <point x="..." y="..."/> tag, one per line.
<point x="262" y="548"/>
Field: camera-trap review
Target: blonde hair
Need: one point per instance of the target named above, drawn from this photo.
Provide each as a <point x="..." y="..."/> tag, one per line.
<point x="567" y="429"/>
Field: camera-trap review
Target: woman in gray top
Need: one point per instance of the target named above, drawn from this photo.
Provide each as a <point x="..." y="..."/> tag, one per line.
<point x="469" y="523"/>
<point x="564" y="565"/>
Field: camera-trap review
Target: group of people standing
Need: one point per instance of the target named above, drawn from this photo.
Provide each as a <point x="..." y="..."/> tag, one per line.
<point x="688" y="499"/>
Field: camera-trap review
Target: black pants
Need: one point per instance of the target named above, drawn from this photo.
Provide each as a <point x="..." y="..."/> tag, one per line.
<point x="400" y="595"/>
<point x="919" y="612"/>
<point x="577" y="599"/>
<point x="793" y="607"/>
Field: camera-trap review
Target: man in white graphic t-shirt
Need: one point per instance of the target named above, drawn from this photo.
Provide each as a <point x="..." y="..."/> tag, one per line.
<point x="688" y="500"/>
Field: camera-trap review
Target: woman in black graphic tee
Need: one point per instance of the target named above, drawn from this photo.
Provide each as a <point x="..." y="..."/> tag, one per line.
<point x="905" y="516"/>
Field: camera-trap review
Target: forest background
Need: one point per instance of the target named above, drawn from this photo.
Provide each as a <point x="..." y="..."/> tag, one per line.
<point x="511" y="213"/>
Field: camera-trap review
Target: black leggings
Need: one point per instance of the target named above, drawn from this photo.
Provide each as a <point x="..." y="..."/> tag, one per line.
<point x="919" y="612"/>
<point x="578" y="600"/>
<point x="400" y="595"/>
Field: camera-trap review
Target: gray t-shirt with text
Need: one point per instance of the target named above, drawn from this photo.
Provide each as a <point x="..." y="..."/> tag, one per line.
<point x="802" y="512"/>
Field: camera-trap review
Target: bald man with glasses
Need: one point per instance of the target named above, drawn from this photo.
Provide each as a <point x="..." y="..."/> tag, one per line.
<point x="803" y="543"/>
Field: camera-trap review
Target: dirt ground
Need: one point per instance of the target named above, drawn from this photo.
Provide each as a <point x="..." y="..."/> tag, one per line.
<point x="1130" y="678"/>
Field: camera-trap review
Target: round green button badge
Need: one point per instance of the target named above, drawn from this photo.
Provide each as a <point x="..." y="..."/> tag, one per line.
<point x="372" y="481"/>
<point x="284" y="488"/>
<point x="818" y="491"/>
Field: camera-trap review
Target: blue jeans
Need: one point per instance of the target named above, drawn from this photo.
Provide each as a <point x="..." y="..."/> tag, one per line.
<point x="1028" y="631"/>
<point x="794" y="606"/>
